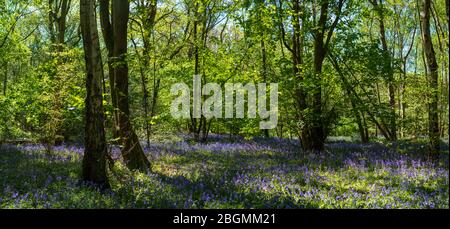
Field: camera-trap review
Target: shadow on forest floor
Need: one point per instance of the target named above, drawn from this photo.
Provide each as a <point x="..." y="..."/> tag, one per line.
<point x="264" y="173"/>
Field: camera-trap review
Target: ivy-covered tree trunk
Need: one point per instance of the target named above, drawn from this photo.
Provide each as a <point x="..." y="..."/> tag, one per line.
<point x="94" y="160"/>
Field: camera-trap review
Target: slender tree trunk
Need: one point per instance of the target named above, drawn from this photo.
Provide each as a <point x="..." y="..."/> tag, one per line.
<point x="5" y="80"/>
<point x="94" y="160"/>
<point x="196" y="123"/>
<point x="260" y="6"/>
<point x="432" y="66"/>
<point x="297" y="60"/>
<point x="391" y="88"/>
<point x="108" y="37"/>
<point x="264" y="71"/>
<point x="145" y="104"/>
<point x="50" y="25"/>
<point x="317" y="134"/>
<point x="132" y="151"/>
<point x="155" y="95"/>
<point x="366" y="129"/>
<point x="322" y="37"/>
<point x="401" y="101"/>
<point x="65" y="7"/>
<point x="447" y="11"/>
<point x="379" y="125"/>
<point x="57" y="12"/>
<point x="146" y="22"/>
<point x="145" y="93"/>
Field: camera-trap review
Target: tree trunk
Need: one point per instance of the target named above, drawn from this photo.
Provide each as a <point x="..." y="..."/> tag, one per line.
<point x="58" y="11"/>
<point x="379" y="125"/>
<point x="145" y="93"/>
<point x="94" y="160"/>
<point x="432" y="66"/>
<point x="297" y="61"/>
<point x="107" y="31"/>
<point x="322" y="37"/>
<point x="260" y="7"/>
<point x="391" y="88"/>
<point x="317" y="130"/>
<point x="5" y="80"/>
<point x="145" y="20"/>
<point x="132" y="151"/>
<point x="197" y="123"/>
<point x="447" y="11"/>
<point x="65" y="6"/>
<point x="264" y="73"/>
<point x="145" y="105"/>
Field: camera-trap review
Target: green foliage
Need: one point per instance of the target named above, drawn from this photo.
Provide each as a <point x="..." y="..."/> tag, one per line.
<point x="44" y="98"/>
<point x="48" y="105"/>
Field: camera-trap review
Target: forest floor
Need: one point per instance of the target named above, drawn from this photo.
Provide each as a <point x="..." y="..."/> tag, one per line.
<point x="261" y="173"/>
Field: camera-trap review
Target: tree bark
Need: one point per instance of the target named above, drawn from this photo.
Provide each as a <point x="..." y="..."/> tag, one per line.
<point x="144" y="91"/>
<point x="132" y="152"/>
<point x="391" y="88"/>
<point x="447" y="11"/>
<point x="316" y="132"/>
<point x="94" y="160"/>
<point x="107" y="30"/>
<point x="317" y="137"/>
<point x="432" y="66"/>
<point x="5" y="79"/>
<point x="197" y="123"/>
<point x="260" y="6"/>
<point x="298" y="61"/>
<point x="264" y="73"/>
<point x="65" y="6"/>
<point x="58" y="11"/>
<point x="145" y="20"/>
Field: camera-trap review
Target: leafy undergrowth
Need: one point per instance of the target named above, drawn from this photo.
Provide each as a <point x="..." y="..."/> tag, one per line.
<point x="231" y="174"/>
